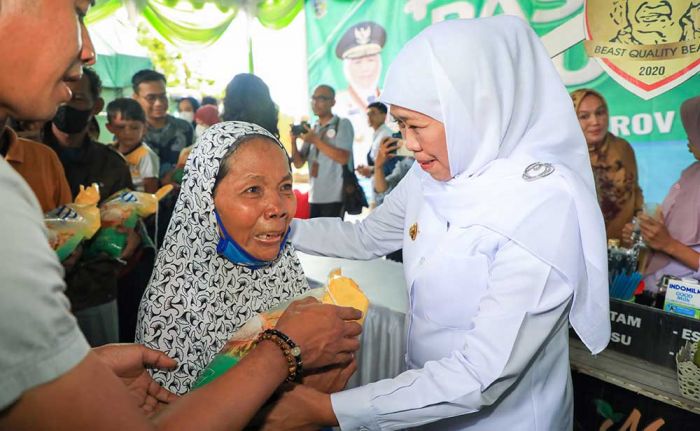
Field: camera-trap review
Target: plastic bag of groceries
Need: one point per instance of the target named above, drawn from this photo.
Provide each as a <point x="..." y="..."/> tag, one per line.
<point x="70" y="224"/>
<point x="122" y="211"/>
<point x="339" y="290"/>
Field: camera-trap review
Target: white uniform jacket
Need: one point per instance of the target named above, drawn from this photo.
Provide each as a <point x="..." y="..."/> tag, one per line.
<point x="487" y="324"/>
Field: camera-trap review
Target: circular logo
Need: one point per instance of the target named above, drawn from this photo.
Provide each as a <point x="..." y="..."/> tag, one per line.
<point x="331" y="133"/>
<point x="537" y="170"/>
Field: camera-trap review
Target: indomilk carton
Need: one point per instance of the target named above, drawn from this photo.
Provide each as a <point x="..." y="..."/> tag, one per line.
<point x="683" y="297"/>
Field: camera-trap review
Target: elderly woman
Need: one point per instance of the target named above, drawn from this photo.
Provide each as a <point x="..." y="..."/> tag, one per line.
<point x="226" y="255"/>
<point x="613" y="162"/>
<point x="503" y="240"/>
<point x="674" y="233"/>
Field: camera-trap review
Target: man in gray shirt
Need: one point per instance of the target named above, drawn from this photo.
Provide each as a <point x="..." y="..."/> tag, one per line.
<point x="327" y="147"/>
<point x="49" y="376"/>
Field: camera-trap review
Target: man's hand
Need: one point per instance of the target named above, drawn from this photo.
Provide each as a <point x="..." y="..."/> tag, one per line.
<point x="327" y="334"/>
<point x="133" y="241"/>
<point x="365" y="171"/>
<point x="130" y="363"/>
<point x="330" y="379"/>
<point x="302" y="409"/>
<point x="655" y="233"/>
<point x="627" y="231"/>
<point x="386" y="151"/>
<point x="309" y="136"/>
<point x="73" y="259"/>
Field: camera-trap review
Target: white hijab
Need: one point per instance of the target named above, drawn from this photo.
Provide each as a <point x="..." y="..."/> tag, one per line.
<point x="197" y="299"/>
<point x="493" y="86"/>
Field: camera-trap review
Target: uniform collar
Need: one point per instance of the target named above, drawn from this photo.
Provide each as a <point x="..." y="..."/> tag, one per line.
<point x="15" y="153"/>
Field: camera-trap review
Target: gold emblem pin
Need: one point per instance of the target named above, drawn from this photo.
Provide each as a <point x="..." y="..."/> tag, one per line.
<point x="413" y="231"/>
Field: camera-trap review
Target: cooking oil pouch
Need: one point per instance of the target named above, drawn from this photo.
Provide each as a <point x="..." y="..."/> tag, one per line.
<point x="69" y="225"/>
<point x="339" y="290"/>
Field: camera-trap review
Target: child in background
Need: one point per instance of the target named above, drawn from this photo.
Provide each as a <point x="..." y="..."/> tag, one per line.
<point x="127" y="121"/>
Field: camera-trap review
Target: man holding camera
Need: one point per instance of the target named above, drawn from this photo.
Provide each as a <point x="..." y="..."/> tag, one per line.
<point x="327" y="147"/>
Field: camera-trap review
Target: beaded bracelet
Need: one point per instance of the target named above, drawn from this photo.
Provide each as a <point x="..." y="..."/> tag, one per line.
<point x="291" y="351"/>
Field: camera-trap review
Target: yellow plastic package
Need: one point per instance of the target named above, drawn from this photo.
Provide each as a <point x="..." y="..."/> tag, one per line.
<point x="123" y="210"/>
<point x="70" y="224"/>
<point x="339" y="290"/>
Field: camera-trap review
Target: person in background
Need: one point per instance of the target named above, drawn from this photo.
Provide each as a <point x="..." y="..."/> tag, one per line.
<point x="49" y="377"/>
<point x="384" y="184"/>
<point x="186" y="108"/>
<point x="209" y="100"/>
<point x="166" y="135"/>
<point x="674" y="232"/>
<point x="376" y="118"/>
<point x="127" y="122"/>
<point x="92" y="282"/>
<point x="248" y="99"/>
<point x="613" y="162"/>
<point x="85" y="161"/>
<point x="205" y="117"/>
<point x="40" y="168"/>
<point x="327" y="147"/>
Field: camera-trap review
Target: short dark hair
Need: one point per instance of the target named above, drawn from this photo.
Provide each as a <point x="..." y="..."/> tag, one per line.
<point x="329" y="88"/>
<point x="129" y="109"/>
<point x="248" y="99"/>
<point x="146" y="75"/>
<point x="209" y="100"/>
<point x="95" y="82"/>
<point x="379" y="106"/>
<point x="194" y="102"/>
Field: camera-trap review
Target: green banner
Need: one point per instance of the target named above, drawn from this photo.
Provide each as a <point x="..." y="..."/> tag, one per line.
<point x="332" y="32"/>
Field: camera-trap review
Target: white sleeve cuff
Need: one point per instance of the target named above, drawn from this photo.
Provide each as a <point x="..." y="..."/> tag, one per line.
<point x="353" y="409"/>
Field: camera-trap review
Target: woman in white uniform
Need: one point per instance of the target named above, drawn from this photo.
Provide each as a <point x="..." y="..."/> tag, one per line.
<point x="503" y="239"/>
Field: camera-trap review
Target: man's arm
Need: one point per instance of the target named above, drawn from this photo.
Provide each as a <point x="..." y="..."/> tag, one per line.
<point x="340" y="152"/>
<point x="298" y="157"/>
<point x="336" y="154"/>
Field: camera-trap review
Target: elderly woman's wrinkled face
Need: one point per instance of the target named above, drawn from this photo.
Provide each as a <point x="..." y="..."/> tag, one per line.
<point x="593" y="118"/>
<point x="255" y="199"/>
<point x="425" y="136"/>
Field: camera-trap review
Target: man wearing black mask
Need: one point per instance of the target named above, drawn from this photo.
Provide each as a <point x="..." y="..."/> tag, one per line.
<point x="92" y="282"/>
<point x="84" y="160"/>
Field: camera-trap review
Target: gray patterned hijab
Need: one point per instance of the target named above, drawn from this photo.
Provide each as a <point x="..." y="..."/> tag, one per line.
<point x="197" y="299"/>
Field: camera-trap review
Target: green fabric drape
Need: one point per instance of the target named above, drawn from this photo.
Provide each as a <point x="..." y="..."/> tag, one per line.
<point x="185" y="30"/>
<point x="102" y="10"/>
<point x="180" y="26"/>
<point x="277" y="14"/>
<point x="274" y="14"/>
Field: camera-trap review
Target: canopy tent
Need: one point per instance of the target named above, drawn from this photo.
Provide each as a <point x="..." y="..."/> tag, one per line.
<point x="119" y="56"/>
<point x="179" y="21"/>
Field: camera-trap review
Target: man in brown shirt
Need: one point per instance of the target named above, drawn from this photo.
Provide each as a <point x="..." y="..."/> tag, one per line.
<point x="40" y="168"/>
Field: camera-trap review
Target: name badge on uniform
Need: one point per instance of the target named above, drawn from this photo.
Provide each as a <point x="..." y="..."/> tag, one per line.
<point x="313" y="170"/>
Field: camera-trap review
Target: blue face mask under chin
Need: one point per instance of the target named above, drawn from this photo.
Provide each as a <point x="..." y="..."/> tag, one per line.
<point x="230" y="249"/>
